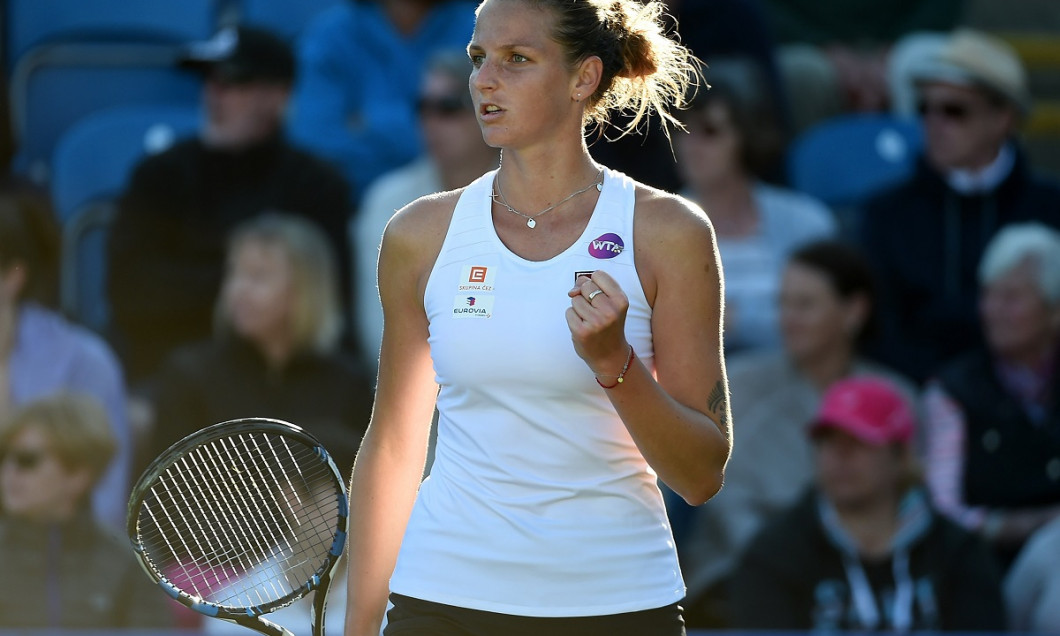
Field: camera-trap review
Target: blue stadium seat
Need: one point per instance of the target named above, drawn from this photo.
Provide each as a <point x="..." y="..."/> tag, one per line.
<point x="56" y="85"/>
<point x="33" y="22"/>
<point x="92" y="162"/>
<point x="845" y="159"/>
<point x="287" y="19"/>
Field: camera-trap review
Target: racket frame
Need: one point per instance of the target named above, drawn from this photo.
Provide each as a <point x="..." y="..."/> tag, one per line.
<point x="251" y="617"/>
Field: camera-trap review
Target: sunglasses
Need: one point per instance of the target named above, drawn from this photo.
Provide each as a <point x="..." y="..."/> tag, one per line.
<point x="441" y="106"/>
<point x="24" y="460"/>
<point x="952" y="110"/>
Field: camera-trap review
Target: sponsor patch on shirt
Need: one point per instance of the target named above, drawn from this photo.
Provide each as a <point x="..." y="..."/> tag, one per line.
<point x="477" y="278"/>
<point x="473" y="306"/>
<point x="607" y="245"/>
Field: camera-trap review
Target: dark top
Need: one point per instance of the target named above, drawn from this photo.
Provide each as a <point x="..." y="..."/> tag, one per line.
<point x="925" y="241"/>
<point x="793" y="577"/>
<point x="212" y="382"/>
<point x="167" y="246"/>
<point x="1009" y="461"/>
<point x="75" y="576"/>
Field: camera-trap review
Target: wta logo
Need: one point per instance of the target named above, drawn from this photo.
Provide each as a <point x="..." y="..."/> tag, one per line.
<point x="607" y="245"/>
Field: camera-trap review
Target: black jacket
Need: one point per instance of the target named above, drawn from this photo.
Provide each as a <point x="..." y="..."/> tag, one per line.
<point x="75" y="576"/>
<point x="925" y="241"/>
<point x="1009" y="461"/>
<point x="793" y="577"/>
<point x="212" y="382"/>
<point x="167" y="246"/>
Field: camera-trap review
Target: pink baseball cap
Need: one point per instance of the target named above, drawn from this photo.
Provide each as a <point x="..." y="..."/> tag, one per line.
<point x="870" y="409"/>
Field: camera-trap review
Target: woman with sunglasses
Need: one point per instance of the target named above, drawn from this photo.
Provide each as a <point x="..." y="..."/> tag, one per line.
<point x="566" y="322"/>
<point x="61" y="569"/>
<point x="733" y="145"/>
<point x="42" y="353"/>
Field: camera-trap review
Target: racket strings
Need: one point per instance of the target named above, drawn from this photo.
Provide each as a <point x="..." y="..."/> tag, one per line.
<point x="242" y="521"/>
<point x="245" y="547"/>
<point x="256" y="544"/>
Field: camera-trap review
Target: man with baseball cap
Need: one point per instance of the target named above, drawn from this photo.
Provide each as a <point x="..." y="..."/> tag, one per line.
<point x="166" y="252"/>
<point x="864" y="549"/>
<point x="926" y="235"/>
<point x="242" y="54"/>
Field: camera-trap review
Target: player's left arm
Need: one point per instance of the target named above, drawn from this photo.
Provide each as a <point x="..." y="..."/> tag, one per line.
<point x="679" y="418"/>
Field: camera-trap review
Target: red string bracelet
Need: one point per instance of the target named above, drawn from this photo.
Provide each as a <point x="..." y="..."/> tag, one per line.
<point x="621" y="376"/>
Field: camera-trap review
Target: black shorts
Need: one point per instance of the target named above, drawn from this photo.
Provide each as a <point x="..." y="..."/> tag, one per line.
<point x="425" y="618"/>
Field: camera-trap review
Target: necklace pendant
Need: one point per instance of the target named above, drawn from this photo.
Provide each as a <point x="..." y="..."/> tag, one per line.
<point x="530" y="223"/>
<point x="600" y="187"/>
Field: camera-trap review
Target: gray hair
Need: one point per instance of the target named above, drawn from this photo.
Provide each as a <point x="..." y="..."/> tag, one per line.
<point x="1018" y="243"/>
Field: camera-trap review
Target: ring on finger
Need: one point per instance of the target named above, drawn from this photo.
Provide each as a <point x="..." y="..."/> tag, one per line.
<point x="593" y="294"/>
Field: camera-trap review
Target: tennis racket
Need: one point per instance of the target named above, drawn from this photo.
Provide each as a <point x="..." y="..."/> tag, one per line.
<point x="240" y="519"/>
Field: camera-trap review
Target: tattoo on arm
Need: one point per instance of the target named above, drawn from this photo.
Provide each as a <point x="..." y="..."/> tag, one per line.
<point x="718" y="402"/>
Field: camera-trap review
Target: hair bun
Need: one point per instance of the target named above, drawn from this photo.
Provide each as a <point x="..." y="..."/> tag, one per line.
<point x="638" y="56"/>
<point x="646" y="70"/>
<point x="630" y="25"/>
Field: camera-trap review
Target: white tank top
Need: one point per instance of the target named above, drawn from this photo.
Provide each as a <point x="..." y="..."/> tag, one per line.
<point x="539" y="503"/>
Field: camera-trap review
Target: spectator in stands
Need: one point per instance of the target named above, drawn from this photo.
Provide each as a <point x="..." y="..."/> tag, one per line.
<point x="360" y="69"/>
<point x="61" y="569"/>
<point x="864" y="550"/>
<point x="993" y="424"/>
<point x="454" y="156"/>
<point x="926" y="235"/>
<point x="1032" y="586"/>
<point x="274" y="353"/>
<point x="167" y="244"/>
<point x="826" y="309"/>
<point x="834" y="54"/>
<point x="733" y="139"/>
<point x="41" y="353"/>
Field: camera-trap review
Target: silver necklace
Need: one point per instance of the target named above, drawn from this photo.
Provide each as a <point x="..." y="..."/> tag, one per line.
<point x="530" y="222"/>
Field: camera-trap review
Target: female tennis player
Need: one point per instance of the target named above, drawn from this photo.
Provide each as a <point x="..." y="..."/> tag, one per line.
<point x="571" y="319"/>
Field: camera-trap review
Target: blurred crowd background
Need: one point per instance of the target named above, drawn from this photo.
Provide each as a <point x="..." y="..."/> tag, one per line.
<point x="194" y="194"/>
